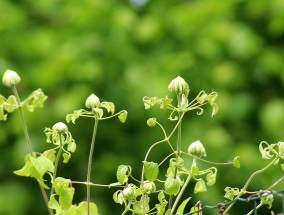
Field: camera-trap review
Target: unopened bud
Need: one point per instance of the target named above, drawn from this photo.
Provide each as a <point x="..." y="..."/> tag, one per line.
<point x="60" y="127"/>
<point x="129" y="192"/>
<point x="197" y="149"/>
<point x="149" y="187"/>
<point x="179" y="86"/>
<point x="10" y="78"/>
<point x="92" y="101"/>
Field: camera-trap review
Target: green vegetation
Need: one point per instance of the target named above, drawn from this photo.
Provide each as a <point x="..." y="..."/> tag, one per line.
<point x="122" y="53"/>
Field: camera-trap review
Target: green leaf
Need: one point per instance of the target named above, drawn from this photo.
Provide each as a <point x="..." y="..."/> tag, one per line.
<point x="172" y="186"/>
<point x="122" y="117"/>
<point x="60" y="184"/>
<point x="71" y="146"/>
<point x="11" y="104"/>
<point x="182" y="206"/>
<point x="35" y="100"/>
<point x="109" y="106"/>
<point x="74" y="116"/>
<point x="236" y="162"/>
<point x="151" y="170"/>
<point x="72" y="210"/>
<point x="282" y="166"/>
<point x="231" y="193"/>
<point x="118" y="197"/>
<point x="66" y="197"/>
<point x="161" y="196"/>
<point x="211" y="178"/>
<point x="214" y="109"/>
<point x="169" y="212"/>
<point x="53" y="203"/>
<point x="200" y="186"/>
<point x="122" y="173"/>
<point x="82" y="208"/>
<point x="50" y="154"/>
<point x="42" y="165"/>
<point x="66" y="157"/>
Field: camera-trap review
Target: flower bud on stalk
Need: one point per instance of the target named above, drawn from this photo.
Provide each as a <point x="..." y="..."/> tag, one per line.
<point x="197" y="149"/>
<point x="179" y="86"/>
<point x="10" y="78"/>
<point x="149" y="187"/>
<point x="60" y="127"/>
<point x="92" y="101"/>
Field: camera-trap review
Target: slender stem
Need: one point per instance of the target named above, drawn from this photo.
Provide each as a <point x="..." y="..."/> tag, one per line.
<point x="90" y="162"/>
<point x="178" y="151"/>
<point x="243" y="190"/>
<point x="25" y="127"/>
<point x="28" y="143"/>
<point x="180" y="193"/>
<point x="57" y="161"/>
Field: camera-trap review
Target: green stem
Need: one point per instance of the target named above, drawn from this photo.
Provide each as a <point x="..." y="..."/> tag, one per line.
<point x="180" y="193"/>
<point x="243" y="190"/>
<point x="56" y="162"/>
<point x="178" y="152"/>
<point x="90" y="162"/>
<point x="28" y="143"/>
<point x="25" y="127"/>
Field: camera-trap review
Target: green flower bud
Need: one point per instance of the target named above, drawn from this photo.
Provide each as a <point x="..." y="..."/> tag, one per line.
<point x="60" y="127"/>
<point x="179" y="86"/>
<point x="129" y="192"/>
<point x="149" y="187"/>
<point x="151" y="122"/>
<point x="197" y="149"/>
<point x="10" y="78"/>
<point x="92" y="101"/>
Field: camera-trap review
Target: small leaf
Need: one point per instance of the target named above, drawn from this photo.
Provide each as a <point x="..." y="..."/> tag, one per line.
<point x="231" y="192"/>
<point x="50" y="154"/>
<point x="211" y="178"/>
<point x="74" y="116"/>
<point x="53" y="204"/>
<point x="82" y="208"/>
<point x="214" y="109"/>
<point x="60" y="184"/>
<point x="182" y="206"/>
<point x="35" y="100"/>
<point x="122" y="117"/>
<point x="66" y="197"/>
<point x="200" y="186"/>
<point x="71" y="146"/>
<point x="66" y="157"/>
<point x="169" y="212"/>
<point x="172" y="186"/>
<point x="161" y="196"/>
<point x="236" y="162"/>
<point x="118" y="197"/>
<point x="122" y="173"/>
<point x="109" y="106"/>
<point x="151" y="170"/>
<point x="11" y="104"/>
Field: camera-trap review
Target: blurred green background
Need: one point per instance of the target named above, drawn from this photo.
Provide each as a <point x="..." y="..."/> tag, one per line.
<point x="124" y="50"/>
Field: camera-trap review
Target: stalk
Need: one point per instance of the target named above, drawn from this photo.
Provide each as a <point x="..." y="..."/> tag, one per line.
<point x="56" y="162"/>
<point x="90" y="162"/>
<point x="28" y="142"/>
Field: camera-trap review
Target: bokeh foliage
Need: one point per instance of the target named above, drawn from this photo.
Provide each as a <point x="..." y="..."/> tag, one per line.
<point x="121" y="52"/>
